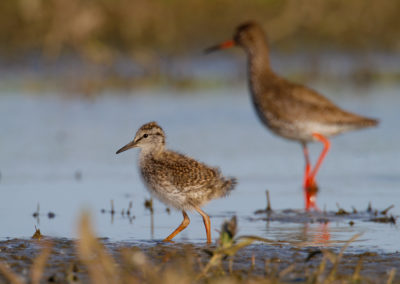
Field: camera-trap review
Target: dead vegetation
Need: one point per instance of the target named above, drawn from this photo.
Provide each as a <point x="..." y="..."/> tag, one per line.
<point x="95" y="262"/>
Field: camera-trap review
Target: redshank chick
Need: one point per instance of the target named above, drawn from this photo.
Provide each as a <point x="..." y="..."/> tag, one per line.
<point x="175" y="179"/>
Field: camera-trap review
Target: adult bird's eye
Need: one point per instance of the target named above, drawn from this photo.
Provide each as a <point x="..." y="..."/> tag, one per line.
<point x="145" y="135"/>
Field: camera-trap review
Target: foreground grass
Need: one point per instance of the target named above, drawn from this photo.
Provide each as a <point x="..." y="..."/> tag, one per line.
<point x="229" y="261"/>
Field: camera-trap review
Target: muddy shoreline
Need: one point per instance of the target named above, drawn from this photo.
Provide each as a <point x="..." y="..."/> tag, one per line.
<point x="290" y="263"/>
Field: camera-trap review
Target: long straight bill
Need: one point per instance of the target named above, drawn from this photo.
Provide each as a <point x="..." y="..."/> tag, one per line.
<point x="224" y="45"/>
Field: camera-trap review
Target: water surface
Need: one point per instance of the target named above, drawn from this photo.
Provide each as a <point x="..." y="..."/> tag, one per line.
<point x="60" y="153"/>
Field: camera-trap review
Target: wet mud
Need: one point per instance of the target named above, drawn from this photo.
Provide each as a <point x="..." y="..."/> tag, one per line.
<point x="284" y="261"/>
<point x="257" y="260"/>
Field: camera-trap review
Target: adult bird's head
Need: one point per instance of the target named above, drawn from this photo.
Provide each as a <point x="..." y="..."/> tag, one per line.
<point x="248" y="35"/>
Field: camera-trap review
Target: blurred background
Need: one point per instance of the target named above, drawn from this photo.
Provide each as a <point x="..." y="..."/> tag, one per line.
<point x="79" y="77"/>
<point x="86" y="46"/>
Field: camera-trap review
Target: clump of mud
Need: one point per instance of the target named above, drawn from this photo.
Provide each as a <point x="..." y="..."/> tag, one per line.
<point x="301" y="216"/>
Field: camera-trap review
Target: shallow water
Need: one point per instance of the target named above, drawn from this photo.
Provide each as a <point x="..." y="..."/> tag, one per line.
<point x="60" y="153"/>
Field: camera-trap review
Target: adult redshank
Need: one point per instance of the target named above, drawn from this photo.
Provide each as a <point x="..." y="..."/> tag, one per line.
<point x="291" y="110"/>
<point x="175" y="179"/>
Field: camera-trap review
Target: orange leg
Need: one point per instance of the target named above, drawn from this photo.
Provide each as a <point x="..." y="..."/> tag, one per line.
<point x="309" y="184"/>
<point x="309" y="189"/>
<point x="307" y="169"/>
<point x="181" y="227"/>
<point x="207" y="223"/>
<point x="327" y="146"/>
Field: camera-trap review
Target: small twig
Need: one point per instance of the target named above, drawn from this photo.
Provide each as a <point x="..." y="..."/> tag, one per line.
<point x="384" y="212"/>
<point x="36" y="213"/>
<point x="128" y="212"/>
<point x="148" y="204"/>
<point x="112" y="207"/>
<point x="269" y="208"/>
<point x="341" y="211"/>
<point x="37" y="235"/>
<point x="369" y="209"/>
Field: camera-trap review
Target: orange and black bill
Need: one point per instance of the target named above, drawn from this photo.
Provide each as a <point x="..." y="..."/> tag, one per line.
<point x="126" y="147"/>
<point x="226" y="44"/>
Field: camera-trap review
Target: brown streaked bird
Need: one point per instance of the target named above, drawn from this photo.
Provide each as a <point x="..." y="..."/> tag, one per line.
<point x="291" y="110"/>
<point x="175" y="179"/>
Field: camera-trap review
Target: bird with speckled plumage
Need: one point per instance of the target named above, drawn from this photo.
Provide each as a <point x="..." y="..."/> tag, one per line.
<point x="175" y="179"/>
<point x="288" y="109"/>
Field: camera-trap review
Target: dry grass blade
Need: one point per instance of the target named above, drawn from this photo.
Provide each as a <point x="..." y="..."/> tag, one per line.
<point x="231" y="251"/>
<point x="331" y="256"/>
<point x="10" y="275"/>
<point x="40" y="263"/>
<point x="317" y="276"/>
<point x="340" y="255"/>
<point x="392" y="273"/>
<point x="355" y="237"/>
<point x="322" y="266"/>
<point x="357" y="270"/>
<point x="228" y="245"/>
<point x="287" y="270"/>
<point x="221" y="253"/>
<point x="256" y="239"/>
<point x="269" y="241"/>
<point x="101" y="266"/>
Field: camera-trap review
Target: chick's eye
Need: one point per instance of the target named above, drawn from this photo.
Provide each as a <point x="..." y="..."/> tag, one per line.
<point x="145" y="135"/>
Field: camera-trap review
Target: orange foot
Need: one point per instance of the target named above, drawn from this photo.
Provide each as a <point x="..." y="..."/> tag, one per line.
<point x="310" y="193"/>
